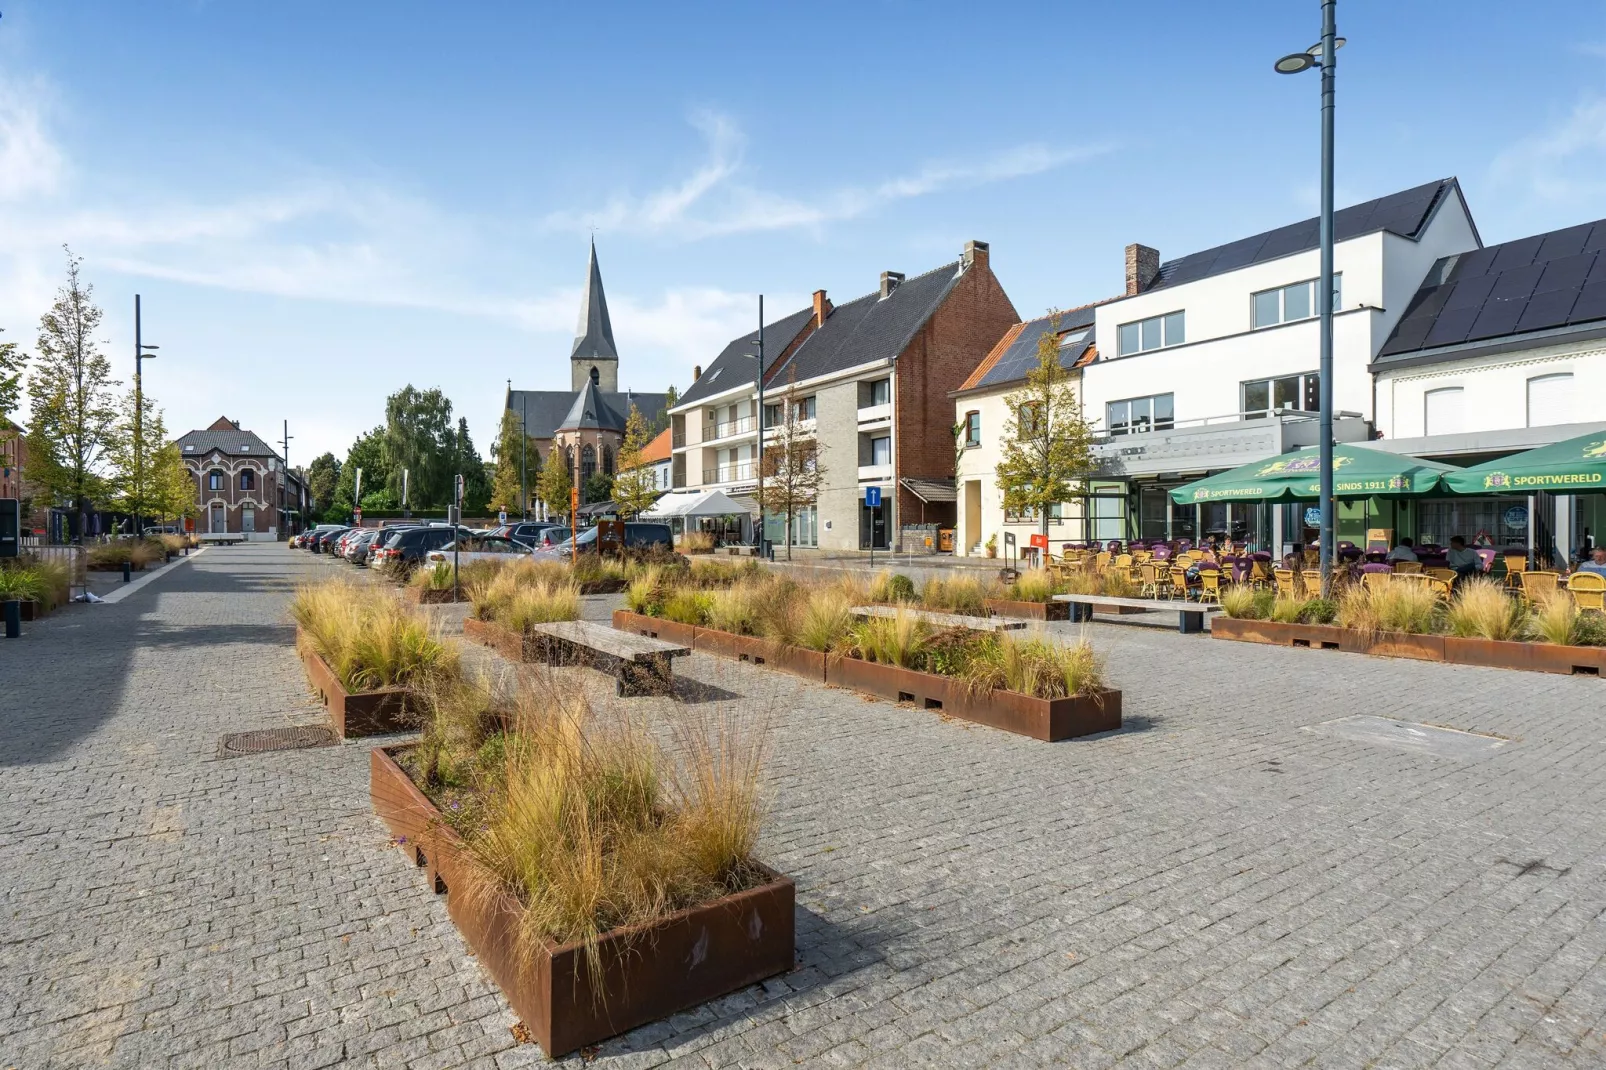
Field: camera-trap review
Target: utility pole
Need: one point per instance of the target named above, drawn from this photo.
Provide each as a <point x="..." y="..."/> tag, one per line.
<point x="284" y="483"/>
<point x="1329" y="68"/>
<point x="139" y="424"/>
<point x="760" y="491"/>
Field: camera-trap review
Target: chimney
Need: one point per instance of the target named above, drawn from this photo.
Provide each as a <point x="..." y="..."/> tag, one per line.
<point x="889" y="281"/>
<point x="1142" y="265"/>
<point x="696" y="372"/>
<point x="975" y="253"/>
<point x="822" y="308"/>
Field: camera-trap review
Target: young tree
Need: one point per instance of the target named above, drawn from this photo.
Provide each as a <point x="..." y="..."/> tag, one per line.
<point x="11" y="365"/>
<point x="598" y="488"/>
<point x="466" y="461"/>
<point x="323" y="475"/>
<point x="1046" y="444"/>
<point x="131" y="455"/>
<point x="791" y="467"/>
<point x="635" y="488"/>
<point x="555" y="484"/>
<point x="173" y="486"/>
<point x="518" y="468"/>
<point x="73" y="407"/>
<point x="419" y="440"/>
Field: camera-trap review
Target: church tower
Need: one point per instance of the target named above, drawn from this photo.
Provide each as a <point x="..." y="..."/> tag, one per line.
<point x="594" y="359"/>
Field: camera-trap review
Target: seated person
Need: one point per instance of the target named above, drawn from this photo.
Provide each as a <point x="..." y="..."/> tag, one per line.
<point x="1463" y="561"/>
<point x="1596" y="562"/>
<point x="1405" y="551"/>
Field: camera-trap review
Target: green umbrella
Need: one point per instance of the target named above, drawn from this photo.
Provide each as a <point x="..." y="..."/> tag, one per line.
<point x="1296" y="476"/>
<point x="1576" y="466"/>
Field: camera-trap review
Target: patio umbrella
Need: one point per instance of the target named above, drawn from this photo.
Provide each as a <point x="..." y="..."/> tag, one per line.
<point x="1576" y="466"/>
<point x="1296" y="476"/>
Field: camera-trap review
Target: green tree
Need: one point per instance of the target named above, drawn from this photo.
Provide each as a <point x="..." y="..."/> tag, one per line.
<point x="173" y="486"/>
<point x="367" y="455"/>
<point x="599" y="488"/>
<point x="791" y="471"/>
<point x="11" y="366"/>
<point x="517" y="469"/>
<point x="323" y="475"/>
<point x="466" y="461"/>
<point x="131" y="455"/>
<point x="419" y="440"/>
<point x="555" y="484"/>
<point x="636" y="486"/>
<point x="72" y="400"/>
<point x="1046" y="444"/>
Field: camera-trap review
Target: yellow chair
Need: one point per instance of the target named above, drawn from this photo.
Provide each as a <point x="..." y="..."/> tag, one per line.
<point x="1259" y="574"/>
<point x="1440" y="587"/>
<point x="1313" y="582"/>
<point x="1538" y="584"/>
<point x="1101" y="559"/>
<point x="1516" y="565"/>
<point x="1376" y="581"/>
<point x="1209" y="585"/>
<point x="1123" y="561"/>
<point x="1284" y="580"/>
<point x="1447" y="575"/>
<point x="1406" y="568"/>
<point x="1148" y="580"/>
<point x="1588" y="590"/>
<point x="1179" y="582"/>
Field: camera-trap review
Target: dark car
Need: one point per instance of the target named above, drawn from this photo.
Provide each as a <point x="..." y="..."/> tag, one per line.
<point x="536" y="533"/>
<point x="323" y="542"/>
<point x="379" y="550"/>
<point x="405" y="551"/>
<point x="637" y="537"/>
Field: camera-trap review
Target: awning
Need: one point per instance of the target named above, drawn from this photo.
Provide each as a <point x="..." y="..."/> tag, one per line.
<point x="1296" y="476"/>
<point x="1575" y="466"/>
<point x="695" y="503"/>
<point x="931" y="491"/>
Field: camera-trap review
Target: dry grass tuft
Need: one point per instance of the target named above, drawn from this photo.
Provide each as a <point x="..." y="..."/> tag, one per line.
<point x="895" y="640"/>
<point x="827" y="619"/>
<point x="1555" y="618"/>
<point x="369" y="640"/>
<point x="1482" y="610"/>
<point x="1037" y="667"/>
<point x="961" y="594"/>
<point x="1034" y="585"/>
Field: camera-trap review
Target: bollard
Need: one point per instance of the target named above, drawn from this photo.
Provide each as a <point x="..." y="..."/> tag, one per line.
<point x="13" y="610"/>
<point x="128" y="571"/>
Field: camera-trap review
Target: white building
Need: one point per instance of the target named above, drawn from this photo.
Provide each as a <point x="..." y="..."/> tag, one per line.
<point x="1209" y="361"/>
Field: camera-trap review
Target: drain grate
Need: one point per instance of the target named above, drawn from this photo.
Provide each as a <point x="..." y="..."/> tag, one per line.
<point x="296" y="737"/>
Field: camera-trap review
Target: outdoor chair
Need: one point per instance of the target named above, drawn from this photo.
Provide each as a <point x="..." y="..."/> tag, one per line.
<point x="1536" y="585"/>
<point x="1209" y="585"/>
<point x="1284" y="580"/>
<point x="1179" y="582"/>
<point x="1101" y="559"/>
<point x="1259" y="573"/>
<point x="1445" y="574"/>
<point x="1376" y="581"/>
<point x="1588" y="591"/>
<point x="1441" y="587"/>
<point x="1406" y="568"/>
<point x="1313" y="581"/>
<point x="1148" y="580"/>
<point x="1516" y="565"/>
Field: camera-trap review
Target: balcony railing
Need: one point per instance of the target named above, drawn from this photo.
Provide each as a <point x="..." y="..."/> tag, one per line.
<point x="678" y="439"/>
<point x="872" y="413"/>
<point x="726" y="428"/>
<point x="730" y="473"/>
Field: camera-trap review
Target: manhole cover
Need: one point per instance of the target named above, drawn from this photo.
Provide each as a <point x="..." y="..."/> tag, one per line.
<point x="1407" y="735"/>
<point x="296" y="737"/>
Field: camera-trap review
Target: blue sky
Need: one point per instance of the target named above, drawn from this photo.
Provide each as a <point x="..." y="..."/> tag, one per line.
<point x="322" y="202"/>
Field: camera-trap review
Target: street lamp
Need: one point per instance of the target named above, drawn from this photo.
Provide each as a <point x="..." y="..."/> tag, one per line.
<point x="1324" y="55"/>
<point x="140" y="355"/>
<point x="760" y="424"/>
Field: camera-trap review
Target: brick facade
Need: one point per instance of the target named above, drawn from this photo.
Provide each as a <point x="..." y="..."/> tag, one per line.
<point x="238" y="481"/>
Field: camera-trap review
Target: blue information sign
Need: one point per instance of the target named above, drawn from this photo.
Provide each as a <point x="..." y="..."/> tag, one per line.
<point x="872" y="497"/>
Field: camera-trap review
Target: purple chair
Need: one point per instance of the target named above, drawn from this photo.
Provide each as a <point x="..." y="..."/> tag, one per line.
<point x="1162" y="552"/>
<point x="1487" y="557"/>
<point x="1375" y="567"/>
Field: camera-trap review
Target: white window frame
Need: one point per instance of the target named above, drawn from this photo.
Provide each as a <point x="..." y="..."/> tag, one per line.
<point x="1152" y="425"/>
<point x="1427" y="407"/>
<point x="1282" y="301"/>
<point x="1163" y="328"/>
<point x="1553" y="377"/>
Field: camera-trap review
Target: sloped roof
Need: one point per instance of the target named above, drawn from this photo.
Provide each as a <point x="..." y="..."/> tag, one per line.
<point x="1404" y="213"/>
<point x="1551" y="281"/>
<point x="871" y="327"/>
<point x="593" y="335"/>
<point x="736" y="365"/>
<point x="547" y="408"/>
<point x="1016" y="352"/>
<point x="591" y="412"/>
<point x="228" y="443"/>
<point x="658" y="449"/>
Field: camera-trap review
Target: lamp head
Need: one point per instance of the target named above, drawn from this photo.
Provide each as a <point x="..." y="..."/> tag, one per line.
<point x="1295" y="62"/>
<point x="1316" y="49"/>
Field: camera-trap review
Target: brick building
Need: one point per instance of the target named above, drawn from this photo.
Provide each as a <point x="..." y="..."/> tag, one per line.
<point x="13" y="454"/>
<point x="241" y="485"/>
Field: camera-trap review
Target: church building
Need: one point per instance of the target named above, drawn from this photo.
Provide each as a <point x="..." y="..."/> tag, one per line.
<point x="585" y="424"/>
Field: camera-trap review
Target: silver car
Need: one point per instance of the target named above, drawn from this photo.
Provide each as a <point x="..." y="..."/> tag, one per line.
<point x="358" y="547"/>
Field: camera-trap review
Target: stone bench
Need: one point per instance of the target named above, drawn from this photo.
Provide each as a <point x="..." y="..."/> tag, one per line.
<point x="943" y="620"/>
<point x="1190" y="615"/>
<point x="640" y="664"/>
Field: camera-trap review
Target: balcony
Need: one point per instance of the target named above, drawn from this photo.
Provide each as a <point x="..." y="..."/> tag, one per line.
<point x="1215" y="442"/>
<point x="875" y="413"/>
<point x="678" y="439"/>
<point x="872" y="473"/>
<point x="715" y="430"/>
<point x="730" y="473"/>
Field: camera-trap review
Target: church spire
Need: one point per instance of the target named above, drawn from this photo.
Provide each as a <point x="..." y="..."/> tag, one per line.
<point x="593" y="335"/>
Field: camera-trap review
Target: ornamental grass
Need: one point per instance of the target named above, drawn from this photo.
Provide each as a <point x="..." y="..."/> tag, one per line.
<point x="827" y="619"/>
<point x="1481" y="609"/>
<point x="895" y="640"/>
<point x="962" y="594"/>
<point x="368" y="639"/>
<point x="1037" y="667"/>
<point x="889" y="587"/>
<point x="21" y="584"/>
<point x="523" y="594"/>
<point x="1555" y="618"/>
<point x="1241" y="602"/>
<point x="1034" y="585"/>
<point x="696" y="542"/>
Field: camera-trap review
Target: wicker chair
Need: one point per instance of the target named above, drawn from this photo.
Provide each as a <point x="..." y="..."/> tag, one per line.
<point x="1405" y="568"/>
<point x="1538" y="584"/>
<point x="1149" y="580"/>
<point x="1285" y="583"/>
<point x="1210" y="585"/>
<point x="1376" y="581"/>
<point x="1313" y="581"/>
<point x="1516" y="565"/>
<point x="1179" y="582"/>
<point x="1588" y="590"/>
<point x="1445" y="574"/>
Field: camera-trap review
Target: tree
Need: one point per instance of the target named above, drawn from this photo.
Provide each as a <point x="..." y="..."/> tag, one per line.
<point x="636" y="486"/>
<point x="131" y="454"/>
<point x="173" y="487"/>
<point x="791" y="468"/>
<point x="517" y="467"/>
<point x="367" y="455"/>
<point x="1046" y="444"/>
<point x="598" y="488"/>
<point x="660" y="419"/>
<point x="466" y="461"/>
<point x="323" y="475"/>
<point x="11" y="365"/>
<point x="73" y="408"/>
<point x="419" y="440"/>
<point x="555" y="483"/>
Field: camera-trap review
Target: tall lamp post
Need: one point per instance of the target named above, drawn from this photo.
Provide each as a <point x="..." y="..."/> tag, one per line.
<point x="760" y="469"/>
<point x="284" y="484"/>
<point x="1325" y="56"/>
<point x="139" y="420"/>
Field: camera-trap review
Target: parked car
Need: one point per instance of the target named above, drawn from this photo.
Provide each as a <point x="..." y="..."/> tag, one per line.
<point x="308" y="538"/>
<point x="405" y="551"/>
<point x="533" y="532"/>
<point x="379" y="552"/>
<point x="637" y="537"/>
<point x="324" y="543"/>
<point x="478" y="548"/>
<point x="357" y="546"/>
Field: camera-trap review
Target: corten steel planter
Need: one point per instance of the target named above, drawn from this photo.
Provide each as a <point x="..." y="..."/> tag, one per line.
<point x="649" y="972"/>
<point x="1009" y="607"/>
<point x="1050" y="720"/>
<point x="799" y="661"/>
<point x="1529" y="657"/>
<point x="426" y="596"/>
<point x="1315" y="636"/>
<point x="512" y="645"/>
<point x="362" y="713"/>
<point x="656" y="627"/>
<point x="1534" y="657"/>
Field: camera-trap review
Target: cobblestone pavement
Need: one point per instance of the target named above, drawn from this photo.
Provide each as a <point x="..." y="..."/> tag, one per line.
<point x="1224" y="883"/>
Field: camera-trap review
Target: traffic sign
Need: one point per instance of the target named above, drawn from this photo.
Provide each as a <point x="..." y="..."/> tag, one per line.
<point x="872" y="497"/>
<point x="501" y="516"/>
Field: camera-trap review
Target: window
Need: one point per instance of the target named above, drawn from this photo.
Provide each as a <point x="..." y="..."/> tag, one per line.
<point x="806" y="526"/>
<point x="772" y="416"/>
<point x="1155" y="332"/>
<point x="607" y="460"/>
<point x="588" y="463"/>
<point x="248" y="480"/>
<point x="1288" y="303"/>
<point x="1138" y="415"/>
<point x="1550" y="400"/>
<point x="878" y="393"/>
<point x="214" y="479"/>
<point x="804" y="409"/>
<point x="1442" y="411"/>
<point x="248" y="518"/>
<point x="881" y="450"/>
<point x="972" y="429"/>
<point x="1301" y="393"/>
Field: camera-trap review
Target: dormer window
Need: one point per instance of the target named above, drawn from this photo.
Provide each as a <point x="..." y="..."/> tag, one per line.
<point x="246" y="448"/>
<point x="190" y="448"/>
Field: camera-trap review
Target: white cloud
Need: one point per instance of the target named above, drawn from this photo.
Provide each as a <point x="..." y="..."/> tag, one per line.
<point x="713" y="200"/>
<point x="30" y="163"/>
<point x="1591" y="48"/>
<point x="1564" y="162"/>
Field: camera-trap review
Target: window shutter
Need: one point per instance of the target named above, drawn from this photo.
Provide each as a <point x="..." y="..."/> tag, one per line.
<point x="1443" y="411"/>
<point x="1550" y="400"/>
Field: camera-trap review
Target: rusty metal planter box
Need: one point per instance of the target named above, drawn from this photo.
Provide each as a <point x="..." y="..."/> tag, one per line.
<point x="647" y="973"/>
<point x="656" y="627"/>
<point x="1050" y="720"/>
<point x="1529" y="657"/>
<point x="510" y="644"/>
<point x="1008" y="607"/>
<point x="809" y="664"/>
<point x="1533" y="657"/>
<point x="362" y="713"/>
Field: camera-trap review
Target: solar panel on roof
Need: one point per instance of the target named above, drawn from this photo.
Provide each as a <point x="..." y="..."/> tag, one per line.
<point x="1496" y="318"/>
<point x="1451" y="326"/>
<point x="1591" y="304"/>
<point x="1565" y="273"/>
<point x="1517" y="284"/>
<point x="1292" y="239"/>
<point x="1516" y="253"/>
<point x="1597" y="273"/>
<point x="1562" y="243"/>
<point x="1547" y="309"/>
<point x="1428" y="302"/>
<point x="1409" y="334"/>
<point x="1470" y="293"/>
<point x="1475" y="263"/>
<point x="1239" y="254"/>
<point x="1597" y="237"/>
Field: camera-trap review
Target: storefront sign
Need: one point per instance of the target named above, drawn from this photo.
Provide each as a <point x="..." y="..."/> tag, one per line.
<point x="1517" y="517"/>
<point x="1313" y="516"/>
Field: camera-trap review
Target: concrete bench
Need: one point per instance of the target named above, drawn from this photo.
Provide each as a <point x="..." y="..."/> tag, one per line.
<point x="640" y="664"/>
<point x="943" y="620"/>
<point x="1190" y="615"/>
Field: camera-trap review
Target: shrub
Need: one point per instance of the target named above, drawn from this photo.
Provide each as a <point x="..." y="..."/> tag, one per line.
<point x="1482" y="610"/>
<point x="24" y="584"/>
<point x="1287" y="610"/>
<point x="645" y="595"/>
<point x="1555" y="618"/>
<point x="961" y="594"/>
<point x="894" y="640"/>
<point x="687" y="606"/>
<point x="892" y="587"/>
<point x="1319" y="611"/>
<point x="826" y="619"/>
<point x="1034" y="585"/>
<point x="1239" y="602"/>
<point x="1037" y="667"/>
<point x="437" y="577"/>
<point x="368" y="640"/>
<point x="1590" y="629"/>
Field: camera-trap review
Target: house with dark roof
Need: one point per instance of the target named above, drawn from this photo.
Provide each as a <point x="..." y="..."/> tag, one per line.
<point x="243" y="490"/>
<point x="1501" y="349"/>
<point x="1210" y="360"/>
<point x="869" y="379"/>
<point x="591" y="413"/>
<point x="981" y="413"/>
